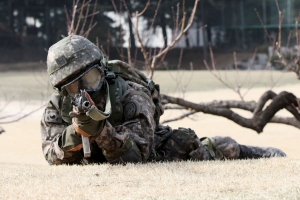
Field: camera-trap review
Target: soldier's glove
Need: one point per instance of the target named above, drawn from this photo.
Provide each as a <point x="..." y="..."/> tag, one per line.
<point x="85" y="125"/>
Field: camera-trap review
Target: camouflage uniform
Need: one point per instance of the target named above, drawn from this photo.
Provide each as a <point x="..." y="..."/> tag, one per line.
<point x="129" y="136"/>
<point x="137" y="131"/>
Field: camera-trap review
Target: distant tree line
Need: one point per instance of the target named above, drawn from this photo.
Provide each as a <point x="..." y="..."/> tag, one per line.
<point x="40" y="23"/>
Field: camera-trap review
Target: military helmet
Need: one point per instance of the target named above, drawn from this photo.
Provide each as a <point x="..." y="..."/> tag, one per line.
<point x="71" y="58"/>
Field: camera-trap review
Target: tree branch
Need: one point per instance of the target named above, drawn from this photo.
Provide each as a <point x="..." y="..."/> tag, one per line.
<point x="1" y="130"/>
<point x="171" y="45"/>
<point x="180" y="117"/>
<point x="259" y="119"/>
<point x="24" y="116"/>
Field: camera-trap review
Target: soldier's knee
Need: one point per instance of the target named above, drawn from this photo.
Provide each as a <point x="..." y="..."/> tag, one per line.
<point x="227" y="147"/>
<point x="128" y="153"/>
<point x="223" y="140"/>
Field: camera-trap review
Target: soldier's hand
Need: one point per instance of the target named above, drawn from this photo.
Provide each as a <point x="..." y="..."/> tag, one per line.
<point x="85" y="123"/>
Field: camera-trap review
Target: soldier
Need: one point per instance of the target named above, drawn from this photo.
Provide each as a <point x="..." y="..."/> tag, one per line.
<point x="120" y="119"/>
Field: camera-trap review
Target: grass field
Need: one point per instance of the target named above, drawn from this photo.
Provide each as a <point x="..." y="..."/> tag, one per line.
<point x="205" y="81"/>
<point x="34" y="85"/>
<point x="24" y="174"/>
<point x="250" y="179"/>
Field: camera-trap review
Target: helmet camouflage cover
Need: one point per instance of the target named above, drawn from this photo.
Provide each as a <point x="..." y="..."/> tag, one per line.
<point x="71" y="58"/>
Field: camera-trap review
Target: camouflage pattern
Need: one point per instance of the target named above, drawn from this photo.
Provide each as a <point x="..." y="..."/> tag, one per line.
<point x="254" y="152"/>
<point x="131" y="133"/>
<point x="136" y="133"/>
<point x="181" y="144"/>
<point x="129" y="73"/>
<point x="72" y="55"/>
<point x="226" y="148"/>
<point x="137" y="139"/>
<point x="230" y="149"/>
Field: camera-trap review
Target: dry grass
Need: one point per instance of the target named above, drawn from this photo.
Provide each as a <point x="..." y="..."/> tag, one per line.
<point x="249" y="179"/>
<point x="204" y="81"/>
<point x="32" y="85"/>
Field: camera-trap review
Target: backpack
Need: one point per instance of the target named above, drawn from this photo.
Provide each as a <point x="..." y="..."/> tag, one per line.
<point x="116" y="69"/>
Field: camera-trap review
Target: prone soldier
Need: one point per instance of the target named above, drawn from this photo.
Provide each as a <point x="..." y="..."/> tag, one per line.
<point x="102" y="115"/>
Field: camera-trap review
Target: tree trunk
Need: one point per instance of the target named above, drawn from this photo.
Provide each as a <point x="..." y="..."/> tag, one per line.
<point x="198" y="31"/>
<point x="164" y="29"/>
<point x="131" y="35"/>
<point x="187" y="41"/>
<point x="234" y="23"/>
<point x="204" y="31"/>
<point x="10" y="16"/>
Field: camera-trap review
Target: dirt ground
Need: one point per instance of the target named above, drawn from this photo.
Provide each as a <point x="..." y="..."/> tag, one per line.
<point x="21" y="143"/>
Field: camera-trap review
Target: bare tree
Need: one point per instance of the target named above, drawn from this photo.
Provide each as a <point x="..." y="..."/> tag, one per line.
<point x="152" y="60"/>
<point x="23" y="112"/>
<point x="78" y="23"/>
<point x="261" y="116"/>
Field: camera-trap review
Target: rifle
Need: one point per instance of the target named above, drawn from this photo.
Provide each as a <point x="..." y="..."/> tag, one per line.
<point x="83" y="105"/>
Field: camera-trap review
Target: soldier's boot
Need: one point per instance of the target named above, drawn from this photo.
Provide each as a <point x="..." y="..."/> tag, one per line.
<point x="253" y="152"/>
<point x="228" y="148"/>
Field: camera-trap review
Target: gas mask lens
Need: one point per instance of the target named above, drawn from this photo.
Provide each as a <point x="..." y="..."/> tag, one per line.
<point x="89" y="82"/>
